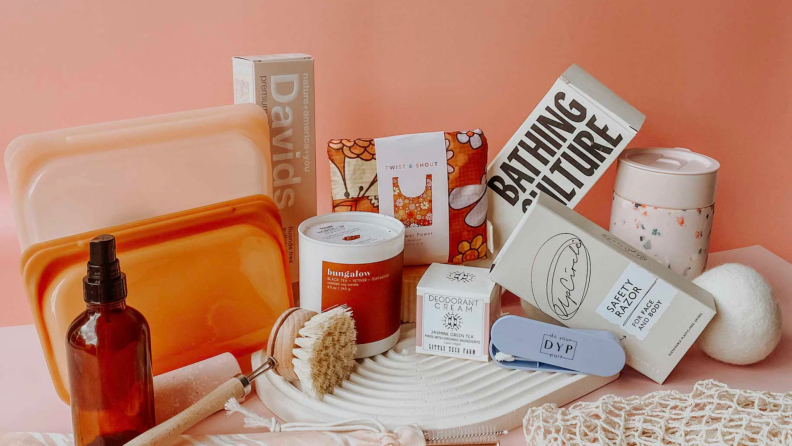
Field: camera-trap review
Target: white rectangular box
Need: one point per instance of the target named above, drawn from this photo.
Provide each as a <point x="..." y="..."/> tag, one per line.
<point x="457" y="306"/>
<point x="564" y="146"/>
<point x="584" y="277"/>
<point x="283" y="85"/>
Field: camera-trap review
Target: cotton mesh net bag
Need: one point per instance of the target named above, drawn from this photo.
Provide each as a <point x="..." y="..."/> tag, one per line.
<point x="712" y="414"/>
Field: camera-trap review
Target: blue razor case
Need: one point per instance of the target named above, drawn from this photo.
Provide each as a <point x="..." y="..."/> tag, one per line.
<point x="546" y="347"/>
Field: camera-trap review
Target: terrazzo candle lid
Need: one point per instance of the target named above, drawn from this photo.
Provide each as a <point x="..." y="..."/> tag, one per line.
<point x="669" y="178"/>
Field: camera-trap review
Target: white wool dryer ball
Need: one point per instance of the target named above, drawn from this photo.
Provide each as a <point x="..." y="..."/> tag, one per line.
<point x="748" y="325"/>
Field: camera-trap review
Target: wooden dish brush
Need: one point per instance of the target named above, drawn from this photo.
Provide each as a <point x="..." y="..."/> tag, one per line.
<point x="316" y="349"/>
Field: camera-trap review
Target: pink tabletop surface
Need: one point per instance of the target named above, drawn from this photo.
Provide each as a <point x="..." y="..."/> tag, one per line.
<point x="28" y="401"/>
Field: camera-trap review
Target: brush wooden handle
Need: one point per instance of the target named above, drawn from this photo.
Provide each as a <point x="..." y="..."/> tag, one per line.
<point x="281" y="341"/>
<point x="168" y="431"/>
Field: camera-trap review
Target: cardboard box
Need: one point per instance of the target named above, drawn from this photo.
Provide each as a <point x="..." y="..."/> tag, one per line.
<point x="457" y="306"/>
<point x="564" y="146"/>
<point x="586" y="278"/>
<point x="283" y="85"/>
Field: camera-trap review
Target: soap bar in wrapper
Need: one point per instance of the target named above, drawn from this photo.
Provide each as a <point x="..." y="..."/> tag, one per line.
<point x="436" y="185"/>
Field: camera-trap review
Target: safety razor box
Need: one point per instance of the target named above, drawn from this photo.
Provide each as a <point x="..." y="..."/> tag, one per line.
<point x="586" y="278"/>
<point x="564" y="146"/>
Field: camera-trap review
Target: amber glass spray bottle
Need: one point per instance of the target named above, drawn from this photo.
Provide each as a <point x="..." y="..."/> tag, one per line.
<point x="108" y="349"/>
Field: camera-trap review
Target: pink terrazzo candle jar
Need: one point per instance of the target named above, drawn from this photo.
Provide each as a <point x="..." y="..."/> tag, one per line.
<point x="664" y="204"/>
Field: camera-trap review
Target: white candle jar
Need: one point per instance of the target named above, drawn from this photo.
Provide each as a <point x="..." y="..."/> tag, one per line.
<point x="664" y="205"/>
<point x="355" y="258"/>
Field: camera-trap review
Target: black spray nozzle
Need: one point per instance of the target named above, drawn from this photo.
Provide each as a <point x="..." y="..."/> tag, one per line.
<point x="103" y="250"/>
<point x="105" y="283"/>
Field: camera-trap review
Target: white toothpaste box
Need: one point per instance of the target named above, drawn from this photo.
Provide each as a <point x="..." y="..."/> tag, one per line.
<point x="564" y="146"/>
<point x="457" y="306"/>
<point x="584" y="277"/>
<point x="283" y="85"/>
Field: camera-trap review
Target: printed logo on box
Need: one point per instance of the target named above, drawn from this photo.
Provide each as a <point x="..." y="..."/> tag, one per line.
<point x="560" y="275"/>
<point x="561" y="149"/>
<point x="624" y="246"/>
<point x="558" y="347"/>
<point x="286" y="93"/>
<point x="636" y="301"/>
<point x="453" y="325"/>
<point x="452" y="321"/>
<point x="461" y="276"/>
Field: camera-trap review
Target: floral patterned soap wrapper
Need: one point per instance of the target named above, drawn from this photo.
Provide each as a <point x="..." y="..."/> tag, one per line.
<point x="677" y="238"/>
<point x="353" y="174"/>
<point x="413" y="211"/>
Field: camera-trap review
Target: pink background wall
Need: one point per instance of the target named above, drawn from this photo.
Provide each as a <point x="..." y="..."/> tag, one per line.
<point x="714" y="76"/>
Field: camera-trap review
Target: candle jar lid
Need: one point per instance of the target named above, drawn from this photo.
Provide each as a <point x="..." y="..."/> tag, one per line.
<point x="672" y="178"/>
<point x="345" y="230"/>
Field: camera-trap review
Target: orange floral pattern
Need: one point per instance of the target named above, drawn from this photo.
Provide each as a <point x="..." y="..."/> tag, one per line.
<point x="353" y="173"/>
<point x="413" y="211"/>
<point x="362" y="148"/>
<point x="469" y="251"/>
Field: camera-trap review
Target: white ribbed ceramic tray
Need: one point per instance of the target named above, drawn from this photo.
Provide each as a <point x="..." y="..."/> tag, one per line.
<point x="400" y="387"/>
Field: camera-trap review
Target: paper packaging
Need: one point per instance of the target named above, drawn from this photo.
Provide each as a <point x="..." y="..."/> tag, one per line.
<point x="411" y="168"/>
<point x="283" y="85"/>
<point x="564" y="146"/>
<point x="435" y="183"/>
<point x="586" y="278"/>
<point x="457" y="306"/>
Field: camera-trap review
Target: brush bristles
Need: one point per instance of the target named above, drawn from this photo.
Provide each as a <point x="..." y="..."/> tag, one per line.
<point x="503" y="357"/>
<point x="325" y="352"/>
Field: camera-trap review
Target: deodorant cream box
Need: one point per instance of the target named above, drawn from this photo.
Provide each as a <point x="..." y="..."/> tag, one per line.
<point x="564" y="146"/>
<point x="457" y="306"/>
<point x="585" y="278"/>
<point x="283" y="85"/>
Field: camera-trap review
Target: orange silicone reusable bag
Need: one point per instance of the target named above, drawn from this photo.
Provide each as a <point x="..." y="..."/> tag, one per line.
<point x="208" y="280"/>
<point x="69" y="181"/>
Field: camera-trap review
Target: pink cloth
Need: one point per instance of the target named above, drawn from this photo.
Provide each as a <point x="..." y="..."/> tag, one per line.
<point x="403" y="436"/>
